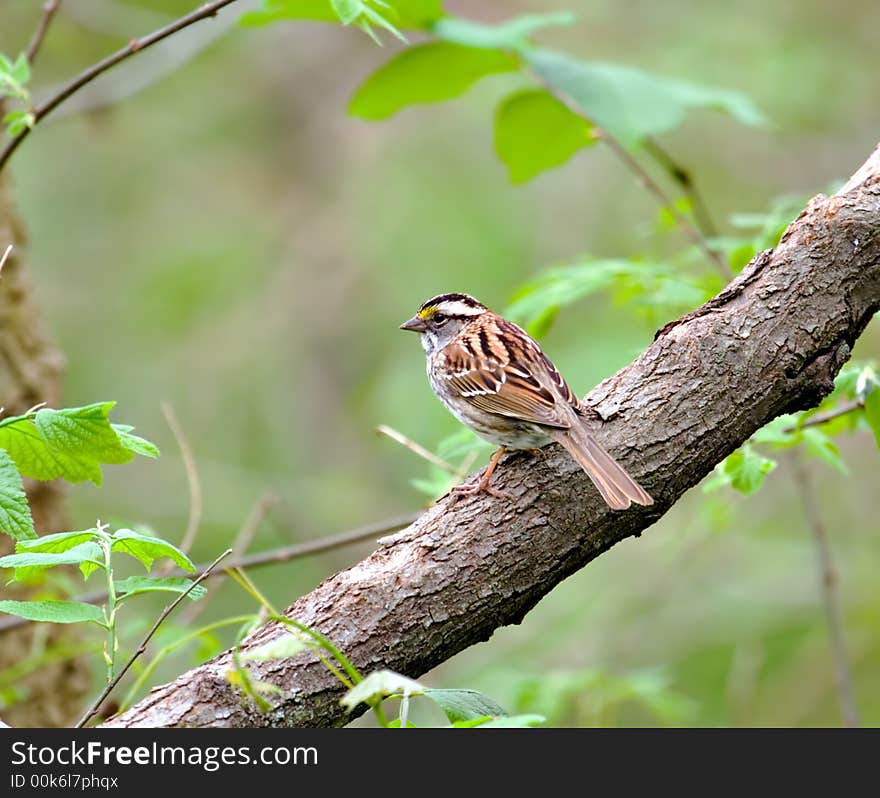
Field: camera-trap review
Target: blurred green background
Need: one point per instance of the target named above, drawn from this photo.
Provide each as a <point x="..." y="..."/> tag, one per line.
<point x="229" y="240"/>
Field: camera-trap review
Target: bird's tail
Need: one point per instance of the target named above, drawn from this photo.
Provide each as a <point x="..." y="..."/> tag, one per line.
<point x="617" y="487"/>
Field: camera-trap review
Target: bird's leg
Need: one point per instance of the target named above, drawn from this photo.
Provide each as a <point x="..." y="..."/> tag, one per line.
<point x="460" y="491"/>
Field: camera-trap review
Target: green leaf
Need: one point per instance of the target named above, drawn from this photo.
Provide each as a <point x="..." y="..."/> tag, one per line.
<point x="378" y="685"/>
<point x="424" y="74"/>
<point x="629" y="103"/>
<point x="146" y="584"/>
<point x="18" y="120"/>
<point x="135" y="443"/>
<point x="510" y="35"/>
<point x="534" y="131"/>
<point x="513" y="722"/>
<point x="347" y="10"/>
<point x="744" y="470"/>
<point x="407" y="14"/>
<point x="650" y="287"/>
<point x="70" y="444"/>
<point x="465" y="705"/>
<point x="146" y="549"/>
<point x="820" y="445"/>
<point x="872" y="412"/>
<point x="54" y="611"/>
<point x="21" y="69"/>
<point x="84" y="552"/>
<point x="60" y="541"/>
<point x="15" y="512"/>
<point x="282" y="647"/>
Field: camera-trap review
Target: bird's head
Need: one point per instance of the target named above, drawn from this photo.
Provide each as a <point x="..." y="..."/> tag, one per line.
<point x="442" y="317"/>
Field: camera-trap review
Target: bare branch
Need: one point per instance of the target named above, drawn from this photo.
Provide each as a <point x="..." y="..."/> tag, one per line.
<point x="686" y="181"/>
<point x="49" y="9"/>
<point x="4" y="257"/>
<point x="192" y="479"/>
<point x="828" y="585"/>
<point x="823" y="418"/>
<point x="87" y="76"/>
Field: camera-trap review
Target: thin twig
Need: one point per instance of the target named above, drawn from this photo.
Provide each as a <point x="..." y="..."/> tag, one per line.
<point x="5" y="256"/>
<point x="828" y="582"/>
<point x="270" y="557"/>
<point x="49" y="9"/>
<point x="830" y="415"/>
<point x="87" y="76"/>
<point x="143" y="646"/>
<point x="686" y="225"/>
<point x="192" y="478"/>
<point x="684" y="179"/>
<point x="240" y="545"/>
<point x="415" y="448"/>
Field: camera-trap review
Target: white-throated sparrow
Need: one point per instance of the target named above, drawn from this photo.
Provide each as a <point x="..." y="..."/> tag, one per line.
<point x="495" y="379"/>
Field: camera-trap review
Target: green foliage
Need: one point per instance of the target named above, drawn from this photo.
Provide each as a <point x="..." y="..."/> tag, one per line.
<point x="379" y="685"/>
<point x="93" y="550"/>
<point x="55" y="611"/>
<point x="744" y="470"/>
<point x="69" y="444"/>
<point x="424" y="74"/>
<point x="534" y="131"/>
<point x="513" y="35"/>
<point x="653" y="287"/>
<point x="15" y="512"/>
<point x="594" y="696"/>
<point x="14" y="77"/>
<point x="632" y="104"/>
<point x="135" y="585"/>
<point x="390" y="16"/>
<point x="287" y="645"/>
<point x="146" y="549"/>
<point x="464" y="705"/>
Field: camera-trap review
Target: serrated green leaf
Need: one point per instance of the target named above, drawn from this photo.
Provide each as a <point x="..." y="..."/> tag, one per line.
<point x="378" y="685"/>
<point x="465" y="705"/>
<point x="534" y="131"/>
<point x="629" y="103"/>
<point x="84" y="438"/>
<point x="71" y="444"/>
<point x="510" y="35"/>
<point x="15" y="512"/>
<point x="84" y="552"/>
<point x="54" y="611"/>
<point x="146" y="549"/>
<point x="135" y="443"/>
<point x="425" y="73"/>
<point x="60" y="541"/>
<point x="147" y="584"/>
<point x="872" y="412"/>
<point x="744" y="470"/>
<point x="282" y="647"/>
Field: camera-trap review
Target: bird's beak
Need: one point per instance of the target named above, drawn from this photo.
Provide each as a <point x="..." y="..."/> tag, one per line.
<point x="415" y="324"/>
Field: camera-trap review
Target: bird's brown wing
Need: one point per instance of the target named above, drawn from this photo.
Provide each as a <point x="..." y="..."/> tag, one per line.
<point x="508" y="375"/>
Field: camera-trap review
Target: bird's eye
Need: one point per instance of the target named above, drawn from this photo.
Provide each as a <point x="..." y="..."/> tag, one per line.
<point x="439" y="319"/>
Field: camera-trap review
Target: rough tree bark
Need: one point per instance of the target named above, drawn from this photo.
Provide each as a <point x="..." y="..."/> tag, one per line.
<point x="31" y="369"/>
<point x="770" y="343"/>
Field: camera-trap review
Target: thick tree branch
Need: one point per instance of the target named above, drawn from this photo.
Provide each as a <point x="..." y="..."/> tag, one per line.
<point x="770" y="343"/>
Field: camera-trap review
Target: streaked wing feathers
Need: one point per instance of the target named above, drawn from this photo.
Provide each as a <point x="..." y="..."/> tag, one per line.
<point x="508" y="374"/>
